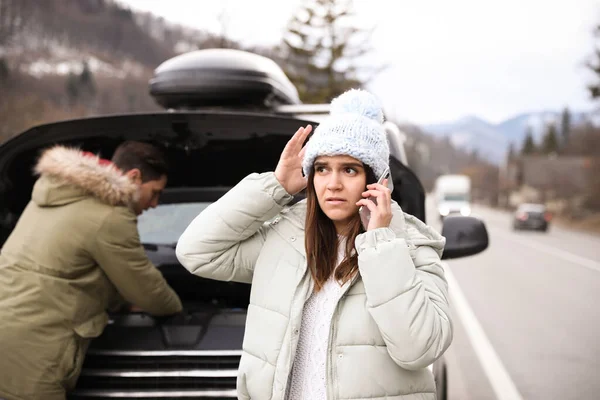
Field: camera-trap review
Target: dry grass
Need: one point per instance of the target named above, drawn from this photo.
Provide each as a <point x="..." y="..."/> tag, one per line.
<point x="589" y="224"/>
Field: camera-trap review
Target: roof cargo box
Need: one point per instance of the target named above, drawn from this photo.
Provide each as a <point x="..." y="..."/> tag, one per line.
<point x="221" y="77"/>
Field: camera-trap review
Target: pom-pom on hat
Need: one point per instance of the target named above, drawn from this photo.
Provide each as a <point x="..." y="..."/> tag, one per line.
<point x="354" y="127"/>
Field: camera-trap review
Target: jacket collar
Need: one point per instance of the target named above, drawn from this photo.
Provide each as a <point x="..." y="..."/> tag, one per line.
<point x="95" y="176"/>
<point x="404" y="225"/>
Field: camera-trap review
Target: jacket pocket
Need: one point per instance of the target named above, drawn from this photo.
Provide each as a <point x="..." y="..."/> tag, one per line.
<point x="72" y="361"/>
<point x="242" y="390"/>
<point x="92" y="327"/>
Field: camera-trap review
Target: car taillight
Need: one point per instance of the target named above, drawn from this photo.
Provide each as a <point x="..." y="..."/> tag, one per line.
<point x="522" y="216"/>
<point x="548" y="216"/>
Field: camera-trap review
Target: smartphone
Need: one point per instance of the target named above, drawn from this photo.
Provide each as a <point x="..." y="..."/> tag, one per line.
<point x="364" y="212"/>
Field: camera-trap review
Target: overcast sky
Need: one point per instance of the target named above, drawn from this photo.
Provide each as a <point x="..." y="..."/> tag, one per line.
<point x="448" y="59"/>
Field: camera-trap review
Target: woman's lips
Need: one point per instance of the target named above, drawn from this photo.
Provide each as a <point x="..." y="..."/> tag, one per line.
<point x="335" y="200"/>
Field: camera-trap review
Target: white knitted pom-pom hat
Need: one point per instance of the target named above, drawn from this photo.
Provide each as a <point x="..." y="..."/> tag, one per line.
<point x="354" y="127"/>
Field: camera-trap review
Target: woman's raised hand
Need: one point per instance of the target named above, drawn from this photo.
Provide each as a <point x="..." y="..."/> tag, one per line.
<point x="289" y="168"/>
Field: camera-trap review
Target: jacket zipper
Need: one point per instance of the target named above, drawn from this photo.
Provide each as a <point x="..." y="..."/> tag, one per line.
<point x="293" y="353"/>
<point x="333" y="333"/>
<point x="329" y="361"/>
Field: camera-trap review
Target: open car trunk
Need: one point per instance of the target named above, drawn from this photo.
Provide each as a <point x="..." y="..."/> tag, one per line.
<point x="204" y="149"/>
<point x="195" y="354"/>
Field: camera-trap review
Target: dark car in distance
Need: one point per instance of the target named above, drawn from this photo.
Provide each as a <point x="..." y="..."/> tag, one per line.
<point x="227" y="113"/>
<point x="531" y="216"/>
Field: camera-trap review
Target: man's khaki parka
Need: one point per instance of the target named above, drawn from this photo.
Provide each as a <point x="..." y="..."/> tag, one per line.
<point x="74" y="254"/>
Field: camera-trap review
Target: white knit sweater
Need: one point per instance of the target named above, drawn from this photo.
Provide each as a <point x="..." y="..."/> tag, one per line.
<point x="308" y="380"/>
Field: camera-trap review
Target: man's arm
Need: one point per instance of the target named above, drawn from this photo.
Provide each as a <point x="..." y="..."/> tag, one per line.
<point x="118" y="251"/>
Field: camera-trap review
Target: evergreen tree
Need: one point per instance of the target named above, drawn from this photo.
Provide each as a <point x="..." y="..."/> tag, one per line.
<point x="4" y="71"/>
<point x="511" y="152"/>
<point x="594" y="66"/>
<point x="528" y="144"/>
<point x="565" y="126"/>
<point x="321" y="47"/>
<point x="550" y="141"/>
<point x="81" y="88"/>
<point x="72" y="88"/>
<point x="86" y="80"/>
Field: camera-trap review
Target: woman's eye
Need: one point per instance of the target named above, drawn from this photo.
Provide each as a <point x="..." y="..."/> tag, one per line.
<point x="350" y="171"/>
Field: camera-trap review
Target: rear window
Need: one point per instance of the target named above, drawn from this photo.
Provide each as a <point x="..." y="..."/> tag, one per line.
<point x="532" y="209"/>
<point x="456" y="197"/>
<point x="165" y="223"/>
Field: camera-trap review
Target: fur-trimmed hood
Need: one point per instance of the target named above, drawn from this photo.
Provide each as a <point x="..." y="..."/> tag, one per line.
<point x="68" y="174"/>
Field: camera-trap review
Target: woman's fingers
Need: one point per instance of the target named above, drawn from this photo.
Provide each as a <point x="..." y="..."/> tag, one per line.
<point x="367" y="203"/>
<point x="296" y="143"/>
<point x="301" y="154"/>
<point x="291" y="145"/>
<point x="302" y="140"/>
<point x="382" y="208"/>
<point x="380" y="186"/>
<point x="379" y="194"/>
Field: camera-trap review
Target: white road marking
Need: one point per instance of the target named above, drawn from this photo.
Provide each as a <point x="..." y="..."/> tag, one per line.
<point x="565" y="255"/>
<point x="503" y="386"/>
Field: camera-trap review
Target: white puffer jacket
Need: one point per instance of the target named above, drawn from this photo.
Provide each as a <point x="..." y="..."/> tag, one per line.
<point x="392" y="322"/>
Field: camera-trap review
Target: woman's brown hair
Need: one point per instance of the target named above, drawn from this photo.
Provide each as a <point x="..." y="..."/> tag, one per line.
<point x="321" y="240"/>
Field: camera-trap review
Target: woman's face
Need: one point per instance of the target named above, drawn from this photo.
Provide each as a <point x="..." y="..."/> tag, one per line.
<point x="339" y="182"/>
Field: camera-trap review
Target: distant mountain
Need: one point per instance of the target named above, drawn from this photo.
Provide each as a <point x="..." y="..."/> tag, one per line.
<point x="514" y="129"/>
<point x="473" y="134"/>
<point x="46" y="46"/>
<point x="491" y="141"/>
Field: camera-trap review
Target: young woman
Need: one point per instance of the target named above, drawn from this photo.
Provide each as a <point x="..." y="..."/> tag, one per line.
<point x="337" y="311"/>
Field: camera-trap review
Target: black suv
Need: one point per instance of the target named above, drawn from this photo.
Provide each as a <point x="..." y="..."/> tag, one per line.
<point x="227" y="113"/>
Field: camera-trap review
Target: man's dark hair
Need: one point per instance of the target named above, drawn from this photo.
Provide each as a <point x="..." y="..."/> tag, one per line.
<point x="149" y="159"/>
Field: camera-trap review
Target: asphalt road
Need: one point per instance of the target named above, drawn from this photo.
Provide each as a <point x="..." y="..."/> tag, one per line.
<point x="529" y="327"/>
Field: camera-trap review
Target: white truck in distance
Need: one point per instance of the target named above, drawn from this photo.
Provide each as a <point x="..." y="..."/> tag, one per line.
<point x="453" y="195"/>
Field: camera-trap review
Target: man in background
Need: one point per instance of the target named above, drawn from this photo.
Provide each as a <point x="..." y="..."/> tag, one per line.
<point x="74" y="254"/>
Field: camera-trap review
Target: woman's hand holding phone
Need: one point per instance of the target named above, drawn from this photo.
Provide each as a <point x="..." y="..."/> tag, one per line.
<point x="376" y="206"/>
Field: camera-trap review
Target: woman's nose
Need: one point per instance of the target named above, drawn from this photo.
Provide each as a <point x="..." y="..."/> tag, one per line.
<point x="334" y="182"/>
